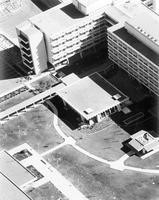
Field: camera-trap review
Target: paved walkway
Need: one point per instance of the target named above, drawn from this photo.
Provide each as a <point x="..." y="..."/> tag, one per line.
<point x="118" y="164"/>
<point x="50" y="173"/>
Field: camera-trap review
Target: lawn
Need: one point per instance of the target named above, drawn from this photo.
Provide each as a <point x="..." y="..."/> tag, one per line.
<point x="97" y="181"/>
<point x="106" y="143"/>
<point x="34" y="127"/>
<point x="46" y="192"/>
<point x="151" y="162"/>
<point x="44" y="83"/>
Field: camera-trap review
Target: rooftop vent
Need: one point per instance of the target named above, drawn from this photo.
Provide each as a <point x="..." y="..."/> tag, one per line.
<point x="116" y="96"/>
<point x="88" y="111"/>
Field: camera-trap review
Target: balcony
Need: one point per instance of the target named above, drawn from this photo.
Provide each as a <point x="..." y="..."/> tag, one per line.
<point x="26" y="57"/>
<point x="25" y="51"/>
<point x="29" y="65"/>
<point x="23" y="38"/>
<point x="24" y="45"/>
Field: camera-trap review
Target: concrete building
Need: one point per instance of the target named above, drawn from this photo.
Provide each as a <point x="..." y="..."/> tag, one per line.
<point x="69" y="32"/>
<point x="14" y="171"/>
<point x="32" y="47"/>
<point x="93" y="98"/>
<point x="143" y="143"/>
<point x="88" y="6"/>
<point x="70" y="35"/>
<point x="135" y="48"/>
<point x="9" y="190"/>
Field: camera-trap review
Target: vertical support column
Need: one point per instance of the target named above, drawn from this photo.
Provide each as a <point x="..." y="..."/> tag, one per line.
<point x="81" y="55"/>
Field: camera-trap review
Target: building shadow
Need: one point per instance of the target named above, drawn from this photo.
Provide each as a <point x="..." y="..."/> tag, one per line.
<point x="45" y="4"/>
<point x="126" y="149"/>
<point x="71" y="11"/>
<point x="84" y="66"/>
<point x="66" y="114"/>
<point x="9" y="59"/>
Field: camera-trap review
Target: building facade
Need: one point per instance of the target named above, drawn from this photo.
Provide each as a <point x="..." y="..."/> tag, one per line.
<point x="133" y="61"/>
<point x="134" y="47"/>
<point x="32" y="47"/>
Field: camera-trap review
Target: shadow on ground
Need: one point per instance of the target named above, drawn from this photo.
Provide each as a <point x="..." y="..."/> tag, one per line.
<point x="68" y="116"/>
<point x="9" y="58"/>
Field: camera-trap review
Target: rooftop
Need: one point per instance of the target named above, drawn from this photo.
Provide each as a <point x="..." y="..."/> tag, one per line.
<point x="141" y="21"/>
<point x="9" y="191"/>
<point x="131" y="7"/>
<point x="13" y="170"/>
<point x="137" y="45"/>
<point x="59" y="18"/>
<point x="93" y="94"/>
<point x="27" y="28"/>
<point x="143" y="139"/>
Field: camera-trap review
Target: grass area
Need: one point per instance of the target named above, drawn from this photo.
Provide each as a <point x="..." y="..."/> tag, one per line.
<point x="151" y="162"/>
<point x="44" y="83"/>
<point x="34" y="127"/>
<point x="46" y="192"/>
<point x="97" y="181"/>
<point x="76" y="168"/>
<point x="106" y="143"/>
<point x="15" y="100"/>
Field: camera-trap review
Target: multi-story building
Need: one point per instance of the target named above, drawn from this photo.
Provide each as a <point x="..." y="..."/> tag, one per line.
<point x="32" y="47"/>
<point x="70" y="31"/>
<point x="134" y="46"/>
<point x="69" y="34"/>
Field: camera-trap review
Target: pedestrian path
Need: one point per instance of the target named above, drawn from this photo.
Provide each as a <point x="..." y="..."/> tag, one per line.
<point x="118" y="164"/>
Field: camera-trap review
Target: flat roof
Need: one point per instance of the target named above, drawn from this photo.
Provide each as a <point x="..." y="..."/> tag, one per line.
<point x="59" y="18"/>
<point x="28" y="28"/>
<point x="130" y="7"/>
<point x="115" y="13"/>
<point x="13" y="170"/>
<point x="91" y="93"/>
<point x="70" y="79"/>
<point x="91" y="2"/>
<point x="30" y="101"/>
<point x="137" y="45"/>
<point x="9" y="191"/>
<point x="142" y="20"/>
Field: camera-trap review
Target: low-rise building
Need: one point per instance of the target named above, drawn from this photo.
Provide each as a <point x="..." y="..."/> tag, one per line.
<point x="93" y="98"/>
<point x="143" y="143"/>
<point x="14" y="171"/>
<point x="9" y="191"/>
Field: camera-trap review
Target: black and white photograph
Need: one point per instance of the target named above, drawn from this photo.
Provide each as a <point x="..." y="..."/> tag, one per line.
<point x="79" y="99"/>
